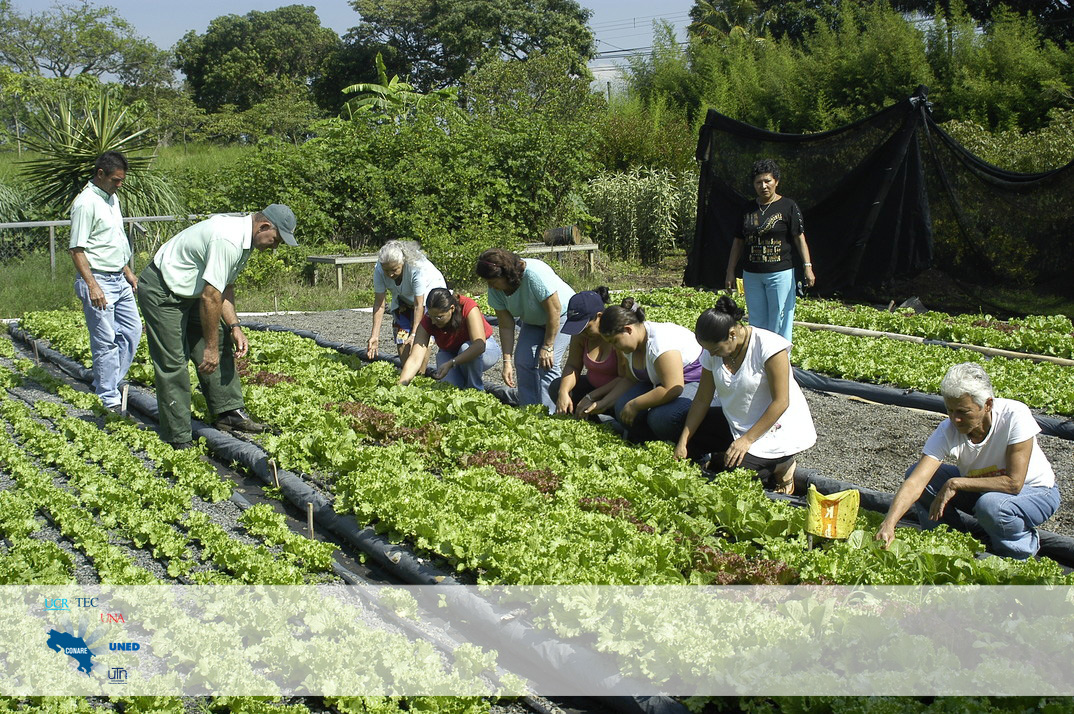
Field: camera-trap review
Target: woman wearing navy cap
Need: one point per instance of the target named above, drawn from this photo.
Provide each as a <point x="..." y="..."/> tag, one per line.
<point x="577" y="393"/>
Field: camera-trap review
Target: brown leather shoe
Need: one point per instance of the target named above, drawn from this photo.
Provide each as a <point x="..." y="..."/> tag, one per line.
<point x="238" y="420"/>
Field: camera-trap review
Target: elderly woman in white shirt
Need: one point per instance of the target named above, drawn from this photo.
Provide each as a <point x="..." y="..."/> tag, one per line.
<point x="762" y="422"/>
<point x="407" y="273"/>
<point x="999" y="474"/>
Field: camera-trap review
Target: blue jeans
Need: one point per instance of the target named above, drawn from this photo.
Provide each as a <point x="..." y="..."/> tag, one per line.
<point x="770" y="300"/>
<point x="114" y="333"/>
<point x="533" y="380"/>
<point x="469" y="375"/>
<point x="662" y="423"/>
<point x="1009" y="520"/>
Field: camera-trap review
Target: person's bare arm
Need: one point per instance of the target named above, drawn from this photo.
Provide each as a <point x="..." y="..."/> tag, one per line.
<point x="1010" y="481"/>
<point x="211" y="308"/>
<point x="475" y="329"/>
<point x="546" y="353"/>
<point x="131" y="277"/>
<point x="906" y="496"/>
<point x="737" y="246"/>
<point x="96" y="295"/>
<point x="374" y="336"/>
<point x="417" y="356"/>
<point x="571" y="370"/>
<point x="507" y="344"/>
<point x="778" y="370"/>
<point x="670" y="374"/>
<point x="699" y="408"/>
<point x="809" y="279"/>
<point x="231" y="319"/>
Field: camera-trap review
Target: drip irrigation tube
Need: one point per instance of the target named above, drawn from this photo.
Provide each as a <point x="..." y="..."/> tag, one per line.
<point x="1060" y="427"/>
<point x="545" y="652"/>
<point x="990" y="351"/>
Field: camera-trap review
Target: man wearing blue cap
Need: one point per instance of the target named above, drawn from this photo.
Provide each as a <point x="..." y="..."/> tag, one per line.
<point x="187" y="296"/>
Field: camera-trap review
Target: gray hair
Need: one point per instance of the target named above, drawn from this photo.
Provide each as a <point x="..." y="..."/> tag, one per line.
<point x="400" y="252"/>
<point x="967" y="378"/>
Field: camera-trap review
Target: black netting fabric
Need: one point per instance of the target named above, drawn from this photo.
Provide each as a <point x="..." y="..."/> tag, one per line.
<point x="885" y="198"/>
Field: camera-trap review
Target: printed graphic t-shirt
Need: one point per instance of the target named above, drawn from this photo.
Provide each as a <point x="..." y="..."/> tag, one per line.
<point x="769" y="235"/>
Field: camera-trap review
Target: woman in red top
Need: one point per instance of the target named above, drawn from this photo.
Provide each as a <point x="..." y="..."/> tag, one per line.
<point x="463" y="337"/>
<point x="576" y="393"/>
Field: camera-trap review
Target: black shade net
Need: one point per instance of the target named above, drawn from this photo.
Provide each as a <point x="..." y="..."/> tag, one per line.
<point x="885" y="198"/>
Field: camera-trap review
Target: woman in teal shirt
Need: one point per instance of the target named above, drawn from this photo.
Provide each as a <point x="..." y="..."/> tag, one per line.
<point x="530" y="292"/>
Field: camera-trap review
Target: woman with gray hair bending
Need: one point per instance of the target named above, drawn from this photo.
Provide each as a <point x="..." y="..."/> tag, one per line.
<point x="404" y="270"/>
<point x="999" y="473"/>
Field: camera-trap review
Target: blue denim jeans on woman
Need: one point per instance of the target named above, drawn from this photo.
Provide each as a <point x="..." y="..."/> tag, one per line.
<point x="1010" y="520"/>
<point x="114" y="333"/>
<point x="770" y="300"/>
<point x="532" y="379"/>
<point x="662" y="423"/>
<point x="470" y="375"/>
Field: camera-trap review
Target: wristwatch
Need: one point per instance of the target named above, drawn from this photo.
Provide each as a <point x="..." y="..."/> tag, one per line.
<point x="546" y="348"/>
<point x="232" y="326"/>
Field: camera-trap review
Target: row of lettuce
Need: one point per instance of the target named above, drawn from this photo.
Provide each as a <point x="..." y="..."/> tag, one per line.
<point x="513" y="496"/>
<point x="133" y="511"/>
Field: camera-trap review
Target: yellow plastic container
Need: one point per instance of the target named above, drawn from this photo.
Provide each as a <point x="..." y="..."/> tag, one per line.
<point x="832" y="516"/>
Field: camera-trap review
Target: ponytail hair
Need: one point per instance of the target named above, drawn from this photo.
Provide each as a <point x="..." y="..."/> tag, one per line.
<point x="617" y="318"/>
<point x="442" y="299"/>
<point x="715" y="323"/>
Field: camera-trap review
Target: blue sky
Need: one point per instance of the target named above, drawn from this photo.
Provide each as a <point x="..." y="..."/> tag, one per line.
<point x="617" y="24"/>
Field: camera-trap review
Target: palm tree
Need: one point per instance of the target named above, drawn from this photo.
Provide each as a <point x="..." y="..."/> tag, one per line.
<point x="70" y="133"/>
<point x="728" y="18"/>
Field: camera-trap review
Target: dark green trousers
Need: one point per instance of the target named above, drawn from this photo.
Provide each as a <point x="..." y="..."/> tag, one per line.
<point x="173" y="331"/>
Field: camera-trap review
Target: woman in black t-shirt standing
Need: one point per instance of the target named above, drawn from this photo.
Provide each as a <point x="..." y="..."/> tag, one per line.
<point x="769" y="232"/>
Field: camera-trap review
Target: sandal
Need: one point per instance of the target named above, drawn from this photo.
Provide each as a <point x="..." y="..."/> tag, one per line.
<point x="784" y="478"/>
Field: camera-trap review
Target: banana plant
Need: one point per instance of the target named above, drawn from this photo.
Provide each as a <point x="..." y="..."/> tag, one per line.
<point x="391" y="97"/>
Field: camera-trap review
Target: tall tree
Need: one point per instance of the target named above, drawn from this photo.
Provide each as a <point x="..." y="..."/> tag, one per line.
<point x="242" y="58"/>
<point x="74" y="39"/>
<point x="443" y="39"/>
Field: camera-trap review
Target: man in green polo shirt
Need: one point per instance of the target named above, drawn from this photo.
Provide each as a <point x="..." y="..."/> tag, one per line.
<point x="187" y="296"/>
<point x="105" y="283"/>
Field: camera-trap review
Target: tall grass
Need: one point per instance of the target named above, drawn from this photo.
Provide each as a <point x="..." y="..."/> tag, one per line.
<point x="181" y="158"/>
<point x="26" y="284"/>
<point x="643" y="213"/>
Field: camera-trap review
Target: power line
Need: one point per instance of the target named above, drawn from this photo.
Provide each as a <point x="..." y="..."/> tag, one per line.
<point x="633" y="21"/>
<point x="630" y="52"/>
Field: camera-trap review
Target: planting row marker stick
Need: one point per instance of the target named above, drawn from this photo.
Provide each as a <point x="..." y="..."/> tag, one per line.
<point x="309" y="519"/>
<point x="37" y="355"/>
<point x="275" y="474"/>
<point x="123" y="400"/>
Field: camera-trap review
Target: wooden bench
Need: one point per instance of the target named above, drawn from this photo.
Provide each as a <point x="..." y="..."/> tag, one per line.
<point x="339" y="261"/>
<point x="532" y="249"/>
